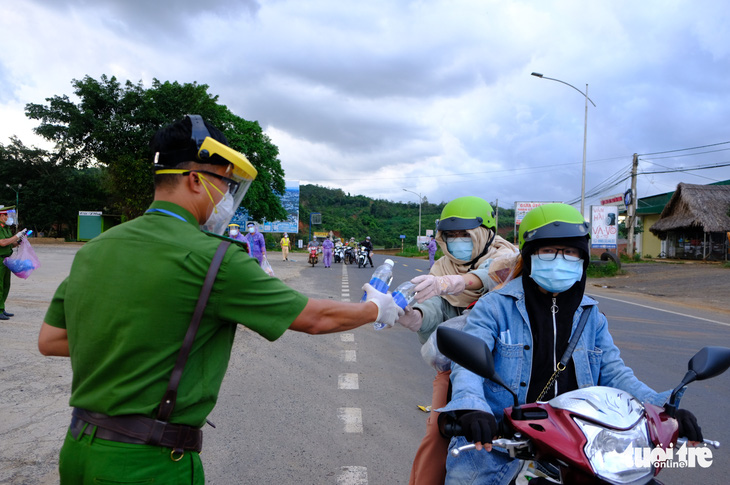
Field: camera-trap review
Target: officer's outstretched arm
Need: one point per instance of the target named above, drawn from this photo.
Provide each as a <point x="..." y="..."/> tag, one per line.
<point x="53" y="341"/>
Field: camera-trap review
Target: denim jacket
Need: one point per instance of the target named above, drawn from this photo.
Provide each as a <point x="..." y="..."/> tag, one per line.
<point x="500" y="319"/>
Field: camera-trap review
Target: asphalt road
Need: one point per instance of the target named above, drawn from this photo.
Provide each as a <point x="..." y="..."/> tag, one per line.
<point x="333" y="409"/>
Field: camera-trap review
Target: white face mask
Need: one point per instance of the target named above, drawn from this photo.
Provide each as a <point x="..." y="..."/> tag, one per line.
<point x="251" y="230"/>
<point x="10" y="222"/>
<point x="233" y="232"/>
<point x="221" y="215"/>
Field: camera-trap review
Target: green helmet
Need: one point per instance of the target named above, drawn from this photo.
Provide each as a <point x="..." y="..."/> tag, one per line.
<point x="551" y="221"/>
<point x="466" y="213"/>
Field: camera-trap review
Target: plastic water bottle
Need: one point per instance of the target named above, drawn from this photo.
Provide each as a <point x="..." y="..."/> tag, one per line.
<point x="381" y="278"/>
<point x="405" y="294"/>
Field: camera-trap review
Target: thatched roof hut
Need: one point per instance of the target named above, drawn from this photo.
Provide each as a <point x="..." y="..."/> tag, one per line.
<point x="701" y="208"/>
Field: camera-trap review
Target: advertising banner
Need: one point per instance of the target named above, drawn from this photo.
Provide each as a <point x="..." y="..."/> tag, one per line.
<point x="290" y="202"/>
<point x="604" y="226"/>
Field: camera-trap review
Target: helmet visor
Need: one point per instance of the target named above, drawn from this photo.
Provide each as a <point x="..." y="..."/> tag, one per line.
<point x="458" y="224"/>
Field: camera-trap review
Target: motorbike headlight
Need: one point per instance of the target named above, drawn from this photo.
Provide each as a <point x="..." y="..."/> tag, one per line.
<point x="612" y="453"/>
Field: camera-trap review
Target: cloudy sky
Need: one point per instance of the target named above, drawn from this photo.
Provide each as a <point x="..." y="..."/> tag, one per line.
<point x="431" y="96"/>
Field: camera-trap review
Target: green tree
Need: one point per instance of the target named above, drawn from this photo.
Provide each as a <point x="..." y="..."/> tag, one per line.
<point x="52" y="194"/>
<point x="110" y="127"/>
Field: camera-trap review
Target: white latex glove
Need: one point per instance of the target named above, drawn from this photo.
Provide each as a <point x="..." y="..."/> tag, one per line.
<point x="411" y="319"/>
<point x="388" y="311"/>
<point x="21" y="234"/>
<point x="428" y="286"/>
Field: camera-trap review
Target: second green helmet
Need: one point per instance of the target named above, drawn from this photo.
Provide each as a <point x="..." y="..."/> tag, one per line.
<point x="466" y="213"/>
<point x="552" y="221"/>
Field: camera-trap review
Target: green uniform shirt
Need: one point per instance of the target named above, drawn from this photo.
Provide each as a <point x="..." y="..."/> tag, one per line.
<point x="5" y="233"/>
<point x="127" y="304"/>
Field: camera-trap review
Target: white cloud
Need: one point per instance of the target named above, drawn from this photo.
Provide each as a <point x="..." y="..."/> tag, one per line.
<point x="435" y="96"/>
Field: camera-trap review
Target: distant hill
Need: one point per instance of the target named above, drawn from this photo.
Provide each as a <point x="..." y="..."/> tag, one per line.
<point x="384" y="221"/>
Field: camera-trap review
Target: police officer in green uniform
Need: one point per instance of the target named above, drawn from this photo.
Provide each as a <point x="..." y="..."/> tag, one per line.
<point x="124" y="310"/>
<point x="8" y="241"/>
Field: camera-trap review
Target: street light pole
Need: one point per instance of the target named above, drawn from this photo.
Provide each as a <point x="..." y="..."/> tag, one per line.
<point x="17" y="203"/>
<point x="420" y="200"/>
<point x="585" y="137"/>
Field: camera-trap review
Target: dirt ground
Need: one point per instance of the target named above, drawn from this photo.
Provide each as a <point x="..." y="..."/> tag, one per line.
<point x="694" y="284"/>
<point x="34" y="390"/>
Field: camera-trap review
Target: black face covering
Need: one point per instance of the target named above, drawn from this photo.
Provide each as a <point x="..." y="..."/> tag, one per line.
<point x="548" y="347"/>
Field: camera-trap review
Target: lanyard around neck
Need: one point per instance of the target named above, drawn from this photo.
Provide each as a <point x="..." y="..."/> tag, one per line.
<point x="169" y="213"/>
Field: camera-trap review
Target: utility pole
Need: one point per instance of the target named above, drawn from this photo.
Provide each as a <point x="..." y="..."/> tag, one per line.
<point x="631" y="208"/>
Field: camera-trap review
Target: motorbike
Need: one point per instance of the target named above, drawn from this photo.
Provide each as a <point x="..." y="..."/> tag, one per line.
<point x="349" y="256"/>
<point x="362" y="257"/>
<point x="339" y="254"/>
<point x="313" y="256"/>
<point x="596" y="434"/>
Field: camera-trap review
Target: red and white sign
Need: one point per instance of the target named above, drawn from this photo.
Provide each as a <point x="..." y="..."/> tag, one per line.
<point x="522" y="208"/>
<point x="617" y="200"/>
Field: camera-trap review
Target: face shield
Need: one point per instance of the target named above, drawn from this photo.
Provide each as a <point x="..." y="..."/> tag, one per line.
<point x="239" y="175"/>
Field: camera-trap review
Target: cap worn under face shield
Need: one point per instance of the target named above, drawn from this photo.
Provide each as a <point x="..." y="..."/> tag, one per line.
<point x="211" y="151"/>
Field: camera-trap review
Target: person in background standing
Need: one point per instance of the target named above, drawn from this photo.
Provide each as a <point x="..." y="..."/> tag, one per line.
<point x="256" y="243"/>
<point x="7" y="242"/>
<point x="327" y="246"/>
<point x="432" y="246"/>
<point x="284" y="243"/>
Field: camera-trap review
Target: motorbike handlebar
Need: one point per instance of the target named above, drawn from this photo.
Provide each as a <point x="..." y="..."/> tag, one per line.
<point x="511" y="445"/>
<point x="712" y="443"/>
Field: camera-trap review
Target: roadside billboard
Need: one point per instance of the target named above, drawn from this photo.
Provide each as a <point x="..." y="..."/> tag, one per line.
<point x="604" y="226"/>
<point x="522" y="208"/>
<point x="290" y="202"/>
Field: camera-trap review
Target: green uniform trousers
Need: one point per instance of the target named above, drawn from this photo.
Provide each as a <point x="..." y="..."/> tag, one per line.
<point x="89" y="461"/>
<point x="4" y="285"/>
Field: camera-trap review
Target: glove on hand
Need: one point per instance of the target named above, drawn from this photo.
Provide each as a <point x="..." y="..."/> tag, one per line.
<point x="388" y="310"/>
<point x="428" y="286"/>
<point x="21" y="234"/>
<point x="688" y="427"/>
<point x="478" y="426"/>
<point x="411" y="319"/>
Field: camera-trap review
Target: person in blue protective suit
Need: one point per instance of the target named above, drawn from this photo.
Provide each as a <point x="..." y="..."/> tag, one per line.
<point x="327" y="246"/>
<point x="234" y="232"/>
<point x="256" y="243"/>
<point x="528" y="324"/>
<point x="432" y="246"/>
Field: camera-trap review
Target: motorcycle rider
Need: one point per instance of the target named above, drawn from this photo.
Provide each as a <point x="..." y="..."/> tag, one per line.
<point x="528" y="324"/>
<point x="472" y="252"/>
<point x="369" y="249"/>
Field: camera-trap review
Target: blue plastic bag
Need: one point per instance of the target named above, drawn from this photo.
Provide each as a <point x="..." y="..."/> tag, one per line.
<point x="24" y="261"/>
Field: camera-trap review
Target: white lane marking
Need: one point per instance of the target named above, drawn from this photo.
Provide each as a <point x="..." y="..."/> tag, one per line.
<point x="596" y="296"/>
<point x="347" y="381"/>
<point x="348" y="356"/>
<point x="353" y="475"/>
<point x="347" y="337"/>
<point x="352" y="418"/>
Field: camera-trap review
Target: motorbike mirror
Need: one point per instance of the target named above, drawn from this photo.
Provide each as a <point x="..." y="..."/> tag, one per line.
<point x="466" y="350"/>
<point x="708" y="362"/>
<point x="470" y="352"/>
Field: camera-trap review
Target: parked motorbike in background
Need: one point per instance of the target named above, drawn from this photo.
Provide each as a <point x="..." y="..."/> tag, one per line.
<point x="592" y="435"/>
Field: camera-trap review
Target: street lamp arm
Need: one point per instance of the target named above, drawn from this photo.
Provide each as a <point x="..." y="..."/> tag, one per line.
<point x="537" y="74"/>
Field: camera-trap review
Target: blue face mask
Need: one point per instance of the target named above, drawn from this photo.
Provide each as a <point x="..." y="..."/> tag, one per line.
<point x="460" y="247"/>
<point x="557" y="275"/>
